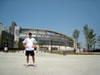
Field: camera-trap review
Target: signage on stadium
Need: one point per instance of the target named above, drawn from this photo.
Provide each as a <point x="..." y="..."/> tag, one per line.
<point x="44" y="36"/>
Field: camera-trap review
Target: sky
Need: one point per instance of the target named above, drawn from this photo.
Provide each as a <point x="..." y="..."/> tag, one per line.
<point x="62" y="16"/>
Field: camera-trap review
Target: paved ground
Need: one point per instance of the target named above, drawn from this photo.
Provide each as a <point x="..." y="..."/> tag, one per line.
<point x="50" y="64"/>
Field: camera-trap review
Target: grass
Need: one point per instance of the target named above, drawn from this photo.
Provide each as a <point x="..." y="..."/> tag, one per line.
<point x="58" y="52"/>
<point x="70" y="53"/>
<point x="12" y="51"/>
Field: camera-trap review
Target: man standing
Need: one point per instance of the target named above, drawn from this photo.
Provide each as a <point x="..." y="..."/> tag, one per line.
<point x="29" y="44"/>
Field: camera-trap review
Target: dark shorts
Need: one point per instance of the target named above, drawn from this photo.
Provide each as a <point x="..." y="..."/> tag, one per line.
<point x="30" y="53"/>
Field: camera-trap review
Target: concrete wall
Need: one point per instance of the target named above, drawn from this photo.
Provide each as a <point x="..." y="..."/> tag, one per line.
<point x="16" y="36"/>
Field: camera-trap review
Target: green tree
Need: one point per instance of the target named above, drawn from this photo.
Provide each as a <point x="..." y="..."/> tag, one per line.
<point x="90" y="37"/>
<point x="20" y="45"/>
<point x="76" y="36"/>
<point x="0" y="40"/>
<point x="40" y="44"/>
<point x="98" y="39"/>
<point x="3" y="39"/>
<point x="86" y="30"/>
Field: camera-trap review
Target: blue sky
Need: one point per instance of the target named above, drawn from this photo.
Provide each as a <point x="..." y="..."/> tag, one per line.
<point x="58" y="15"/>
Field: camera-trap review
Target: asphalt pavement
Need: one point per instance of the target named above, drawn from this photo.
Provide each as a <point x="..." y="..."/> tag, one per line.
<point x="49" y="64"/>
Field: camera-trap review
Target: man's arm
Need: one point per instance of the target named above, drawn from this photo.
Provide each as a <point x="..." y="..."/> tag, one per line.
<point x="24" y="45"/>
<point x="35" y="46"/>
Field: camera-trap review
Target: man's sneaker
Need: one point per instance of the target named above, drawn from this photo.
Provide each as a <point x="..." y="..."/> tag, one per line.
<point x="27" y="65"/>
<point x="34" y="65"/>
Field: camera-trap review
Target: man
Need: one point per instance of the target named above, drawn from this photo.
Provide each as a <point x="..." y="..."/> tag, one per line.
<point x="29" y="44"/>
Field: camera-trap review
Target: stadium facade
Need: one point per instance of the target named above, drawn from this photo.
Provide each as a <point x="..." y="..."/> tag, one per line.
<point x="47" y="39"/>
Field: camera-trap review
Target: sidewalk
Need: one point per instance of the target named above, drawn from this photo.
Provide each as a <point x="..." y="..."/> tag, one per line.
<point x="50" y="64"/>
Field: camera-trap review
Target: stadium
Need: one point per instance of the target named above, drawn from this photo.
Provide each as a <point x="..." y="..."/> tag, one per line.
<point x="46" y="39"/>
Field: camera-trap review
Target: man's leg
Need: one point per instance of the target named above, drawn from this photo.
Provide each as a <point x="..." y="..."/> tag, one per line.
<point x="27" y="59"/>
<point x="33" y="59"/>
<point x="33" y="56"/>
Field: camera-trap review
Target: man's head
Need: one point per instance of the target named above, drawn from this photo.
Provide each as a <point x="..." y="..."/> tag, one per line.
<point x="30" y="35"/>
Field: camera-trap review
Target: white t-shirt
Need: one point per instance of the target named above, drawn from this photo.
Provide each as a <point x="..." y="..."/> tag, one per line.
<point x="29" y="42"/>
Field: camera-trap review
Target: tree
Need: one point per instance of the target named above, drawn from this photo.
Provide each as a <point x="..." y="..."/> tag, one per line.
<point x="76" y="36"/>
<point x="41" y="45"/>
<point x="0" y="41"/>
<point x="86" y="30"/>
<point x="98" y="39"/>
<point x="20" y="46"/>
<point x="3" y="39"/>
<point x="90" y="37"/>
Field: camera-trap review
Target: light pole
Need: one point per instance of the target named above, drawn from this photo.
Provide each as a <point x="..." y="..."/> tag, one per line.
<point x="51" y="45"/>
